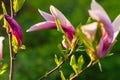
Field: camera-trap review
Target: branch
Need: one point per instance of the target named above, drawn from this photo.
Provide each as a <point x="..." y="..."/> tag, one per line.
<point x="80" y="72"/>
<point x="57" y="67"/>
<point x="11" y="8"/>
<point x="12" y="55"/>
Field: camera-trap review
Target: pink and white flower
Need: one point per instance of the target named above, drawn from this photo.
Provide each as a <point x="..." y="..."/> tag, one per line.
<point x="50" y="23"/>
<point x="110" y="29"/>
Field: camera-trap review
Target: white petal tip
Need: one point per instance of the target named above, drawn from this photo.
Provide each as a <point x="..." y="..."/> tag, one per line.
<point x="28" y="30"/>
<point x="51" y="6"/>
<point x="40" y="11"/>
<point x="93" y="1"/>
<point x="2" y="38"/>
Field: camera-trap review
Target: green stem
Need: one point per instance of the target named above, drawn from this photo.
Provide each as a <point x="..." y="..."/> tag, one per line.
<point x="12" y="56"/>
<point x="58" y="66"/>
<point x="80" y="72"/>
<point x="11" y="8"/>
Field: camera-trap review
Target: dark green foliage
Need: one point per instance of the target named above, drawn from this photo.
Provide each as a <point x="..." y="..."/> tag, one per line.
<point x="38" y="58"/>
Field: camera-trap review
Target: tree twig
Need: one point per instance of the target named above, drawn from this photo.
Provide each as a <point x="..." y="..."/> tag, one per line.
<point x="80" y="72"/>
<point x="57" y="67"/>
<point x="12" y="55"/>
<point x="11" y="8"/>
<point x="12" y="58"/>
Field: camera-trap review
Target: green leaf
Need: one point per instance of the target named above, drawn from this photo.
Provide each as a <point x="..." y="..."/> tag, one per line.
<point x="15" y="44"/>
<point x="61" y="50"/>
<point x="1" y="16"/>
<point x="5" y="22"/>
<point x="17" y="5"/>
<point x="59" y="27"/>
<point x="98" y="35"/>
<point x="100" y="66"/>
<point x="62" y="75"/>
<point x="2" y="72"/>
<point x="73" y="63"/>
<point x="71" y="75"/>
<point x="22" y="47"/>
<point x="4" y="8"/>
<point x="89" y="20"/>
<point x="80" y="62"/>
<point x="58" y="61"/>
<point x="3" y="68"/>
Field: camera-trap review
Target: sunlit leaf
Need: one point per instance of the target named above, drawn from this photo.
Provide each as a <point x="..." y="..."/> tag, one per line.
<point x="4" y="66"/>
<point x="61" y="50"/>
<point x="57" y="61"/>
<point x="89" y="20"/>
<point x="4" y="8"/>
<point x="98" y="35"/>
<point x="60" y="59"/>
<point x="22" y="47"/>
<point x="5" y="12"/>
<point x="83" y="38"/>
<point x="71" y="75"/>
<point x="66" y="39"/>
<point x="2" y="72"/>
<point x="17" y="5"/>
<point x="73" y="63"/>
<point x="1" y="16"/>
<point x="59" y="27"/>
<point x="80" y="62"/>
<point x="109" y="54"/>
<point x="3" y="69"/>
<point x="100" y="66"/>
<point x="15" y="44"/>
<point x="62" y="75"/>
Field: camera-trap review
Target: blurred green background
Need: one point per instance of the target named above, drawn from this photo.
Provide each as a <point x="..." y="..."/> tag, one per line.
<point x="38" y="58"/>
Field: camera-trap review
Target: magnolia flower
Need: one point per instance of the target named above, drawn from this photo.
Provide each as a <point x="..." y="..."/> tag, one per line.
<point x="1" y="46"/>
<point x="15" y="29"/>
<point x="109" y="29"/>
<point x="50" y="23"/>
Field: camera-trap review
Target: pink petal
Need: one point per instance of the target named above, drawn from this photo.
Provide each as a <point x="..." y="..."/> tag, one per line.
<point x="43" y="26"/>
<point x="63" y="20"/>
<point x="106" y="46"/>
<point x="116" y="26"/>
<point x="96" y="7"/>
<point x="15" y="28"/>
<point x="47" y="16"/>
<point x="105" y="22"/>
<point x="1" y="46"/>
<point x="103" y="47"/>
<point x="99" y="49"/>
<point x="89" y="30"/>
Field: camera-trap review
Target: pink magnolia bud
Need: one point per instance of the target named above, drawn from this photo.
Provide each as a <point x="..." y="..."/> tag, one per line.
<point x="15" y="29"/>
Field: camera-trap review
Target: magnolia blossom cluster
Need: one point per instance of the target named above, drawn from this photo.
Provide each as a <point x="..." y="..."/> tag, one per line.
<point x="109" y="30"/>
<point x="50" y="23"/>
